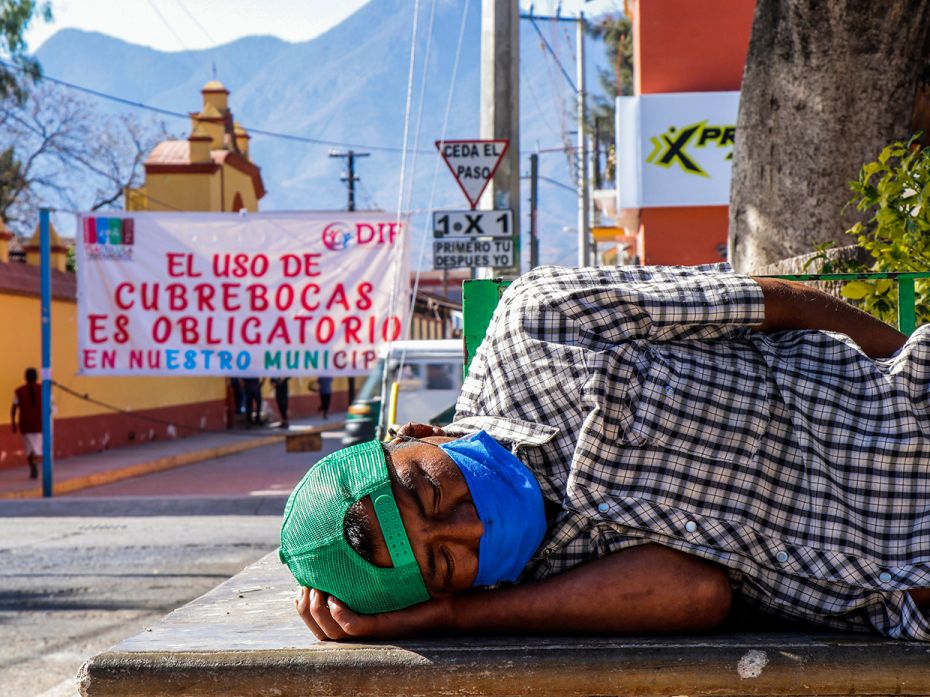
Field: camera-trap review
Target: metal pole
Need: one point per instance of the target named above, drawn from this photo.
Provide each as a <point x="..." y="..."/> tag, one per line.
<point x="352" y="178"/>
<point x="907" y="319"/>
<point x="584" y="252"/>
<point x="500" y="111"/>
<point x="45" y="273"/>
<point x="350" y="205"/>
<point x="534" y="204"/>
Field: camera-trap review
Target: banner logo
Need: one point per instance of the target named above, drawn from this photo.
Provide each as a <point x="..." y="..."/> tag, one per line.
<point x="336" y="236"/>
<point x="671" y="148"/>
<point x="109" y="238"/>
<point x="339" y="236"/>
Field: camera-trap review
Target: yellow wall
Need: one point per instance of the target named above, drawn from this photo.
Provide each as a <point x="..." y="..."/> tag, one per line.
<point x="240" y="182"/>
<point x="186" y="192"/>
<point x="199" y="192"/>
<point x="21" y="347"/>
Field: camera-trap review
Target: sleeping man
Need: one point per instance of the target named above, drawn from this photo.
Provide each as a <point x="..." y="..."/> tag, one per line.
<point x="634" y="449"/>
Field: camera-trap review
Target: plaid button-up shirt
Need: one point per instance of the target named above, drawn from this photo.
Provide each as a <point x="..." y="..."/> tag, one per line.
<point x="650" y="412"/>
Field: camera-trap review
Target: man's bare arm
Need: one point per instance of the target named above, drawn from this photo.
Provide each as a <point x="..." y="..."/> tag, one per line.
<point x="643" y="590"/>
<point x="794" y="305"/>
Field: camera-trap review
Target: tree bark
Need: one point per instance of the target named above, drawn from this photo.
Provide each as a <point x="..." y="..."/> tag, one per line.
<point x="827" y="84"/>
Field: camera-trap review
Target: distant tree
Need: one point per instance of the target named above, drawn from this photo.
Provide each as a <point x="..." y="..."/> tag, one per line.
<point x="616" y="31"/>
<point x="12" y="181"/>
<point x="64" y="153"/>
<point x="15" y="17"/>
<point x="826" y="86"/>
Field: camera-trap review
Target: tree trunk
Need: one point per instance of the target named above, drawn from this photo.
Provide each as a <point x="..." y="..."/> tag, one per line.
<point x="828" y="83"/>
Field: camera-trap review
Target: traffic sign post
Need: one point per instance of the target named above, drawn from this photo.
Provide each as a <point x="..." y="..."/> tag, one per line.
<point x="473" y="239"/>
<point x="471" y="224"/>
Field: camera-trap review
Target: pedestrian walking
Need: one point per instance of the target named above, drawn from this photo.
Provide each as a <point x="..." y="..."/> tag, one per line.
<point x="26" y="415"/>
<point x="252" y="387"/>
<point x="326" y="395"/>
<point x="281" y="398"/>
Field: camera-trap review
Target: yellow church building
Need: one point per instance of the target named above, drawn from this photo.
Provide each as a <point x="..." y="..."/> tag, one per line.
<point x="209" y="171"/>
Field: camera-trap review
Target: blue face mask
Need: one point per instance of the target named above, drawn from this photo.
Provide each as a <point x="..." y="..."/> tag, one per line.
<point x="509" y="505"/>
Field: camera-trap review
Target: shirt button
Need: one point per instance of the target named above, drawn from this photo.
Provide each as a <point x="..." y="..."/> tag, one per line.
<point x="603" y="507"/>
<point x="669" y="390"/>
<point x="782" y="557"/>
<point x="884" y="577"/>
<point x="690" y="526"/>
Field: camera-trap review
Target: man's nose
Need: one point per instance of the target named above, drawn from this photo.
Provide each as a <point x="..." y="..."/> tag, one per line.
<point x="460" y="525"/>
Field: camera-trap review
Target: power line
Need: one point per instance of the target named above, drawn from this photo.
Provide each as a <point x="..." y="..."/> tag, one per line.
<point x="180" y="115"/>
<point x="552" y="52"/>
<point x="168" y="25"/>
<point x="195" y="21"/>
<point x="554" y="182"/>
<point x="142" y="417"/>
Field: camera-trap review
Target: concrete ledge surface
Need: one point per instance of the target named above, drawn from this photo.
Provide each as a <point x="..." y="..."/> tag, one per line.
<point x="244" y="638"/>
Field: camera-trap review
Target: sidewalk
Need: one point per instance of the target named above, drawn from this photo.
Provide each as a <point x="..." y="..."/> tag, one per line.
<point x="84" y="471"/>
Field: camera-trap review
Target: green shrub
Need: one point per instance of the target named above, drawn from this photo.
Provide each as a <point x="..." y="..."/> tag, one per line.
<point x="895" y="190"/>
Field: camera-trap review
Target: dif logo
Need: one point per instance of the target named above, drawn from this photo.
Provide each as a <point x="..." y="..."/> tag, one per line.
<point x="109" y="237"/>
<point x="339" y="236"/>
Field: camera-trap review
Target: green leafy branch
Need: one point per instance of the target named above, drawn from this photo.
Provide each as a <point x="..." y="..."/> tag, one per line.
<point x="895" y="191"/>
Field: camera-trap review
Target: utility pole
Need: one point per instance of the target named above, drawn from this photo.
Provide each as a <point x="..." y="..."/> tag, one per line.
<point x="584" y="232"/>
<point x="534" y="205"/>
<point x="350" y="179"/>
<point x="500" y="108"/>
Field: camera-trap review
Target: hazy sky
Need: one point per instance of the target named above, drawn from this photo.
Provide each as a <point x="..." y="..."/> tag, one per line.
<point x="177" y="25"/>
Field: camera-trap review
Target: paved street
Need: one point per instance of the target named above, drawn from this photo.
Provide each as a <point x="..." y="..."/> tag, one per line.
<point x="81" y="572"/>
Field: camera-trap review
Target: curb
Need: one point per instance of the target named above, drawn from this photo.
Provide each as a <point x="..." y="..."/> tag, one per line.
<point x="159" y="464"/>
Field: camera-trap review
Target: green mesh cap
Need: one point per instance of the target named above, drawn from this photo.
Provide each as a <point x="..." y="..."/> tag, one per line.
<point x="313" y="543"/>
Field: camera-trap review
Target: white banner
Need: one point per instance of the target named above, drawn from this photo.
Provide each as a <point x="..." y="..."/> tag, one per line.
<point x="258" y="294"/>
<point x="676" y="149"/>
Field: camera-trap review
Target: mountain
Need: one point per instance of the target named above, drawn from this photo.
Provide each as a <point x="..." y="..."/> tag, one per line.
<point x="349" y="86"/>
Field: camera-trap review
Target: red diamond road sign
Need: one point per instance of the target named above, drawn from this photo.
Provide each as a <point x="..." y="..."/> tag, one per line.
<point x="472" y="163"/>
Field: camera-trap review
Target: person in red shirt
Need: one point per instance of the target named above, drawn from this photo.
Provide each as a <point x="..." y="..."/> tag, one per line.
<point x="27" y="405"/>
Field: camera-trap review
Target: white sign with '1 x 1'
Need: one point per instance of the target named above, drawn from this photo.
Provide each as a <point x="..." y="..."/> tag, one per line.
<point x="468" y="224"/>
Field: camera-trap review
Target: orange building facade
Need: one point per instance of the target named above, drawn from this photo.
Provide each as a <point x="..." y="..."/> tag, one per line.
<point x="693" y="46"/>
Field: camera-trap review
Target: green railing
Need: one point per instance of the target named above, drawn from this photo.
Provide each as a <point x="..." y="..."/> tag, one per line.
<point x="480" y="297"/>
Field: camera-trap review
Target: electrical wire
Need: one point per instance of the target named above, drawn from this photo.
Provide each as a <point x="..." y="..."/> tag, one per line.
<point x="555" y="57"/>
<point x="177" y="114"/>
<point x="210" y="38"/>
<point x="399" y="259"/>
<point x="437" y="166"/>
<point x="168" y="25"/>
<point x="151" y="419"/>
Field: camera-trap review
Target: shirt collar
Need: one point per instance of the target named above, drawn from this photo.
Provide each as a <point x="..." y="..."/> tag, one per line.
<point x="520" y="433"/>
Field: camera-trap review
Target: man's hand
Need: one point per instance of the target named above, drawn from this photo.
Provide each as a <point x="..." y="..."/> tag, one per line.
<point x="331" y="619"/>
<point x="415" y="430"/>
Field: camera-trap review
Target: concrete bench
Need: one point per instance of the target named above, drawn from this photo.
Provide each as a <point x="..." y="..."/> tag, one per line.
<point x="308" y="439"/>
<point x="244" y="638"/>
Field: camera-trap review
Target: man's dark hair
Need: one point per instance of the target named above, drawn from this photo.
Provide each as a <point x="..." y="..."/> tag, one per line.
<point x="31" y="375"/>
<point x="357" y="530"/>
<point x="356" y="527"/>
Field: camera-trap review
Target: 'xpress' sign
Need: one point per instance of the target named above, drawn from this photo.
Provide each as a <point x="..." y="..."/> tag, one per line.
<point x="676" y="149"/>
<point x="224" y="294"/>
